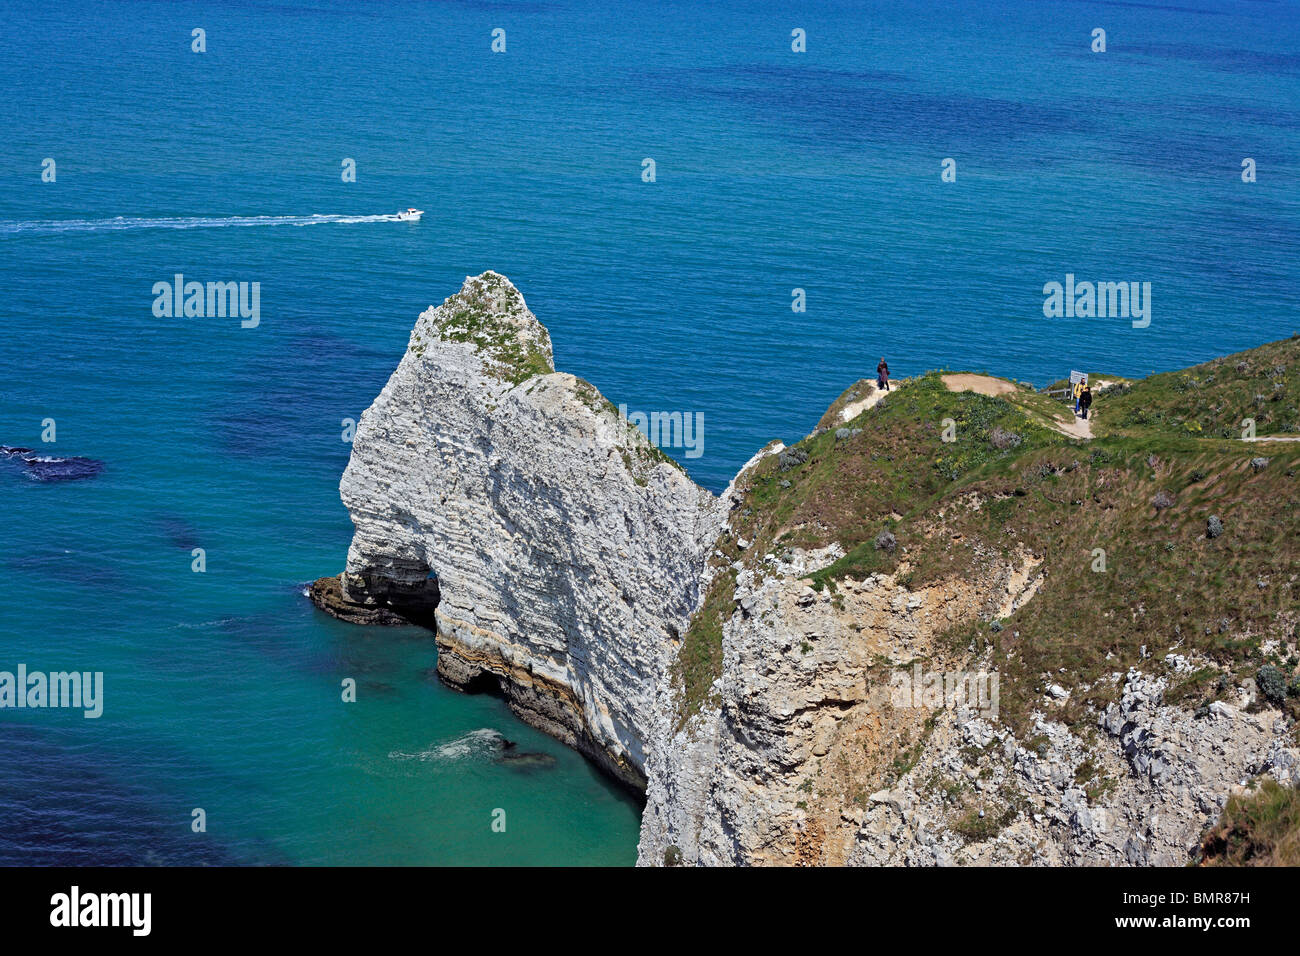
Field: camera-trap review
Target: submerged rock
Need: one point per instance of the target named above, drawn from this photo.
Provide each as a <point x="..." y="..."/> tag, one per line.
<point x="517" y="759"/>
<point x="52" y="467"/>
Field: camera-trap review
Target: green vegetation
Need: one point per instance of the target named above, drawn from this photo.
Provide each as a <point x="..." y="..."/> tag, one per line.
<point x="489" y="315"/>
<point x="1041" y="405"/>
<point x="848" y="490"/>
<point x="1213" y="399"/>
<point x="1166" y="583"/>
<point x="982" y="818"/>
<point x="1261" y="828"/>
<point x="910" y="751"/>
<point x="639" y="455"/>
<point x="1150" y="536"/>
<point x="1094" y="783"/>
<point x="977" y="828"/>
<point x="590" y="396"/>
<point x="699" y="662"/>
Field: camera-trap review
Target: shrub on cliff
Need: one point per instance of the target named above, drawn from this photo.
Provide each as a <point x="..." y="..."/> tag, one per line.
<point x="1272" y="685"/>
<point x="1002" y="439"/>
<point x="792" y="458"/>
<point x="1162" y="500"/>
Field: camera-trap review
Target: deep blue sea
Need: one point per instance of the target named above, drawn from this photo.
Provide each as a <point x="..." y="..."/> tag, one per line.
<point x="774" y="171"/>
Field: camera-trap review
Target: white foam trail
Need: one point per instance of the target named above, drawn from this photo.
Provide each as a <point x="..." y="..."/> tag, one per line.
<point x="475" y="742"/>
<point x="123" y="223"/>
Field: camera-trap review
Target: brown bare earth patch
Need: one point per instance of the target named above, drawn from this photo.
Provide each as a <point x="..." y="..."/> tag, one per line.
<point x="984" y="384"/>
<point x="808" y="844"/>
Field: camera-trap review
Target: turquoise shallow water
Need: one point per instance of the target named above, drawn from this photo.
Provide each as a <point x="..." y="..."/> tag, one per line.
<point x="774" y="171"/>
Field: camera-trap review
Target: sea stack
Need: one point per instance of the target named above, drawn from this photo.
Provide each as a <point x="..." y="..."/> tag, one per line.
<point x="567" y="551"/>
<point x="878" y="645"/>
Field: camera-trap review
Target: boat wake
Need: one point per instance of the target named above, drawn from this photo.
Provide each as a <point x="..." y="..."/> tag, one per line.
<point x="125" y="223"/>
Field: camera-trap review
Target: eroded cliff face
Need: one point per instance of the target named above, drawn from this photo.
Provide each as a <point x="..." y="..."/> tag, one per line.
<point x="568" y="552"/>
<point x="777" y="766"/>
<point x="562" y="560"/>
<point x="804" y="756"/>
<point x="797" y="697"/>
<point x="803" y="752"/>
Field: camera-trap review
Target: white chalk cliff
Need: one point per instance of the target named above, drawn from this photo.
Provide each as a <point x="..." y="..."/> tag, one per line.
<point x="570" y="558"/>
<point x="568" y="551"/>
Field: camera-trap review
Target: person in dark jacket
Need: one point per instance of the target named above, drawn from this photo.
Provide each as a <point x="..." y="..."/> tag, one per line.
<point x="882" y="375"/>
<point x="1085" y="400"/>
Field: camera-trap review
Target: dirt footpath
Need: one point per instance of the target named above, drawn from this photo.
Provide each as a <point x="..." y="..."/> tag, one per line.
<point x="988" y="385"/>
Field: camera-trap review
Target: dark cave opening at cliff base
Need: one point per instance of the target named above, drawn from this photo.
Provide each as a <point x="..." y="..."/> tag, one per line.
<point x="482" y="682"/>
<point x="374" y="597"/>
<point x="414" y="598"/>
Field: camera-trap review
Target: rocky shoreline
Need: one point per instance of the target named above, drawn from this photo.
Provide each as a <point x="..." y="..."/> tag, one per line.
<point x="329" y="595"/>
<point x="736" y="668"/>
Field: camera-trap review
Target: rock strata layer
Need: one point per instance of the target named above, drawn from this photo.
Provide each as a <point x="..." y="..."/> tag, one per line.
<point x="559" y="558"/>
<point x="568" y="552"/>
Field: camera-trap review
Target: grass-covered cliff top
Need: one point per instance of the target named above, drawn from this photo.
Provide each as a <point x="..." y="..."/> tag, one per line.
<point x="1201" y="536"/>
<point x="1214" y="398"/>
<point x="489" y="313"/>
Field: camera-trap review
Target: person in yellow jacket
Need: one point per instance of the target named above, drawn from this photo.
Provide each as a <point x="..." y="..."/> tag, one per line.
<point x="1079" y="386"/>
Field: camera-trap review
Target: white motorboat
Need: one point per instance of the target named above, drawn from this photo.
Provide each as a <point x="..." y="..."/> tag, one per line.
<point x="410" y="214"/>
